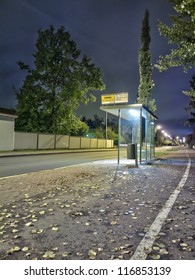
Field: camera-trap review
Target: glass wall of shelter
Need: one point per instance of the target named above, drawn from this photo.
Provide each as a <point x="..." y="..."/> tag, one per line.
<point x="137" y="127"/>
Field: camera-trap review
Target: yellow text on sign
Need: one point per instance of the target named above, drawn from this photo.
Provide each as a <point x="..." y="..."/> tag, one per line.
<point x="108" y="99"/>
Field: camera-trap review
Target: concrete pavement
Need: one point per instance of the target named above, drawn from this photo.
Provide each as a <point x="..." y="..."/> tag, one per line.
<point x="99" y="211"/>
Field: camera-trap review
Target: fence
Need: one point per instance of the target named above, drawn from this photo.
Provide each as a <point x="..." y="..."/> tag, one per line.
<point x="38" y="141"/>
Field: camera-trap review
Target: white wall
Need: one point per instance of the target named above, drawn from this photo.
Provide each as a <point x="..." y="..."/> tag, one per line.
<point x="46" y="141"/>
<point x="25" y="141"/>
<point x="62" y="141"/>
<point x="85" y="142"/>
<point x="94" y="143"/>
<point x="101" y="143"/>
<point x="6" y="134"/>
<point x="75" y="142"/>
<point x="109" y="144"/>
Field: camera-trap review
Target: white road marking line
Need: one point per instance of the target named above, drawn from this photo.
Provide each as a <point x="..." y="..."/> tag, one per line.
<point x="13" y="176"/>
<point x="146" y="243"/>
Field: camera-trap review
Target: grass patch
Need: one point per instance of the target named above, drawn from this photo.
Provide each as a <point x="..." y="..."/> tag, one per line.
<point x="159" y="154"/>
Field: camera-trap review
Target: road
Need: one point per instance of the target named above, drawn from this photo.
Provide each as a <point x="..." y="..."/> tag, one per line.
<point x="15" y="165"/>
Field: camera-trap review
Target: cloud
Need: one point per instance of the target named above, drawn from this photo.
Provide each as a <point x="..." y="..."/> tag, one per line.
<point x="107" y="31"/>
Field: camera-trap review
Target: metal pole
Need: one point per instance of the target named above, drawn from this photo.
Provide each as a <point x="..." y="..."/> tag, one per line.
<point x="151" y="138"/>
<point x="136" y="160"/>
<point x="106" y="125"/>
<point x="119" y="130"/>
<point x="146" y="135"/>
<point x="140" y="151"/>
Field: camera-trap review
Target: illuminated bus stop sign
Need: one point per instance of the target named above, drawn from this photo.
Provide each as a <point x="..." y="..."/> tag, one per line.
<point x="115" y="98"/>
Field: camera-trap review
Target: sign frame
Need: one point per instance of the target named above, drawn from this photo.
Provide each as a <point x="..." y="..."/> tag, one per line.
<point x="114" y="98"/>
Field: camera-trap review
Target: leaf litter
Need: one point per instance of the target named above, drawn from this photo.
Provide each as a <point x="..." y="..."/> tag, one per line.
<point x="111" y="219"/>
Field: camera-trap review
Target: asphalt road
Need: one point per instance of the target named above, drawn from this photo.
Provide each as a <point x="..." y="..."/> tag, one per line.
<point x="15" y="165"/>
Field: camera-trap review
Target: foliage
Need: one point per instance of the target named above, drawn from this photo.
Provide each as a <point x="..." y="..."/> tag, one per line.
<point x="159" y="138"/>
<point x="98" y="122"/>
<point x="111" y="134"/>
<point x="191" y="92"/>
<point x="74" y="126"/>
<point x="145" y="67"/>
<point x="98" y="125"/>
<point x="126" y="131"/>
<point x="191" y="108"/>
<point x="99" y="133"/>
<point x="190" y="140"/>
<point x="52" y="91"/>
<point x="181" y="34"/>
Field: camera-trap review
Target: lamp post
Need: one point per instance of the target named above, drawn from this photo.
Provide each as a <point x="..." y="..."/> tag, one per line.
<point x="157" y="135"/>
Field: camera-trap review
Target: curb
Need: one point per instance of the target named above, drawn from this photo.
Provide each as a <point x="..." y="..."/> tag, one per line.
<point x="38" y="153"/>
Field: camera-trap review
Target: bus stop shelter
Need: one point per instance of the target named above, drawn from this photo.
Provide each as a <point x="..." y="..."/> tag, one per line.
<point x="135" y="128"/>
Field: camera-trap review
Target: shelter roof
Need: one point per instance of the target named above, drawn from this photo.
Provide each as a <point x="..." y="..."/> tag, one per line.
<point x="125" y="109"/>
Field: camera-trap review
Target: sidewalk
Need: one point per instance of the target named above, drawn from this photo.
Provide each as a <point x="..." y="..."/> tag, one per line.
<point x="95" y="211"/>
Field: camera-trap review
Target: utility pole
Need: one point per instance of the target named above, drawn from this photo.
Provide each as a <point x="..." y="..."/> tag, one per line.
<point x="119" y="134"/>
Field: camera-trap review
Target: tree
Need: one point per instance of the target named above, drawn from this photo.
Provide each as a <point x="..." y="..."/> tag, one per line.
<point x="191" y="92"/>
<point x="146" y="83"/>
<point x="190" y="140"/>
<point x="111" y="134"/>
<point x="99" y="133"/>
<point x="52" y="91"/>
<point x="98" y="122"/>
<point x="181" y="34"/>
<point x="191" y="108"/>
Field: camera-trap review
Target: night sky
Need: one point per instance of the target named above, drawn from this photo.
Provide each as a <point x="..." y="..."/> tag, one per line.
<point x="108" y="31"/>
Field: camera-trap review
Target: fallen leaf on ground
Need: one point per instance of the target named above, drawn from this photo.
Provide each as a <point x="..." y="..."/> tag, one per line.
<point x="14" y="249"/>
<point x="163" y="252"/>
<point x="40" y="230"/>
<point x="28" y="224"/>
<point x="183" y="244"/>
<point x="55" y="228"/>
<point x="15" y="230"/>
<point x="92" y="254"/>
<point x="65" y="254"/>
<point x="49" y="255"/>
<point x="155" y="257"/>
<point x="25" y="249"/>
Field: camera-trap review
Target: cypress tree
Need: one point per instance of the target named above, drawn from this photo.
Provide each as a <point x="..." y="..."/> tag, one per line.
<point x="146" y="83"/>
